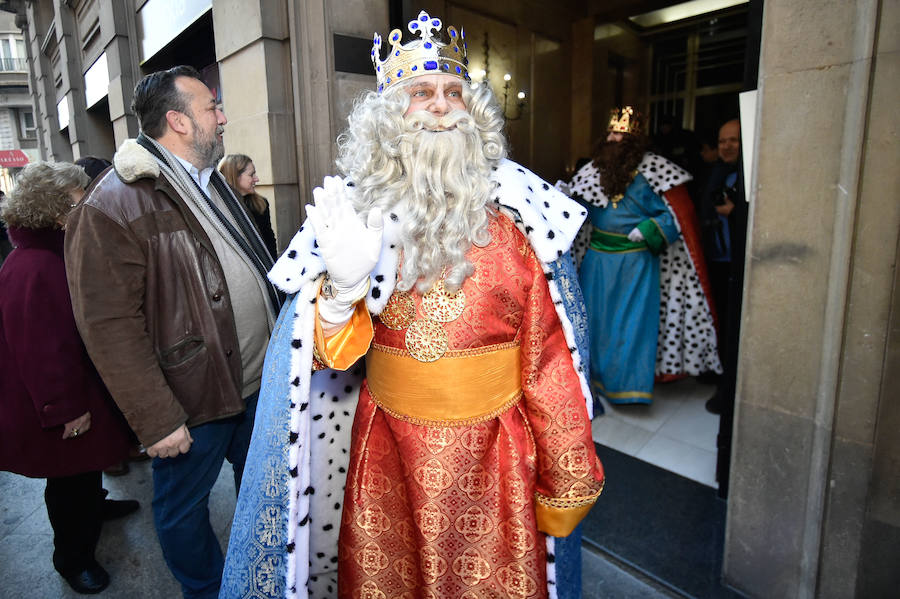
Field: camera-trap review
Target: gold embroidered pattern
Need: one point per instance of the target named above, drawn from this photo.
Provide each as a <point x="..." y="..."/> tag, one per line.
<point x="433" y="565"/>
<point x="514" y="491"/>
<point x="517" y="582"/>
<point x="375" y="483"/>
<point x="373" y="521"/>
<point x="476" y="440"/>
<point x="451" y="353"/>
<point x="372" y="559"/>
<point x="569" y="503"/>
<point x="437" y="439"/>
<point x="431" y="521"/>
<point x="519" y="540"/>
<point x="405" y="532"/>
<point x="406" y="569"/>
<point x="426" y="340"/>
<point x="475" y="482"/>
<point x="399" y="311"/>
<point x="369" y="590"/>
<point x="471" y="567"/>
<point x="578" y="460"/>
<point x="433" y="477"/>
<point x="473" y="524"/>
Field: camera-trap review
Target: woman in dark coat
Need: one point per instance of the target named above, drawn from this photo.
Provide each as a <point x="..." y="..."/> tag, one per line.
<point x="240" y="173"/>
<point x="57" y="420"/>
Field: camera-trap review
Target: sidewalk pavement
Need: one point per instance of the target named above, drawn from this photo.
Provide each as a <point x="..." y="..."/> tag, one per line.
<point x="129" y="550"/>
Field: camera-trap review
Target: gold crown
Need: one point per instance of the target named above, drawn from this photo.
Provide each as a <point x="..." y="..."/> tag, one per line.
<point x="424" y="56"/>
<point x="625" y="120"/>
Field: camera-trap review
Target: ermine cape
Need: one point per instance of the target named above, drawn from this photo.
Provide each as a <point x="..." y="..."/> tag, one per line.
<point x="288" y="514"/>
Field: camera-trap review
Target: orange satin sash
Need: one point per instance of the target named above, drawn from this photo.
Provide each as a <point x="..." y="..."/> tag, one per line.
<point x="460" y="388"/>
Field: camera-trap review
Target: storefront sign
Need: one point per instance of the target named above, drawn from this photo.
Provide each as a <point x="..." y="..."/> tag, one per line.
<point x="160" y="21"/>
<point x="13" y="158"/>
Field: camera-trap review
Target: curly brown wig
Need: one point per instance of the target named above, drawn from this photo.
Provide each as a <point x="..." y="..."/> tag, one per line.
<point x="616" y="161"/>
<point x="41" y="198"/>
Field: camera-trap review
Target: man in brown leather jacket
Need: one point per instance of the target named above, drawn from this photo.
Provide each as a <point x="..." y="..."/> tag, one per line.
<point x="168" y="282"/>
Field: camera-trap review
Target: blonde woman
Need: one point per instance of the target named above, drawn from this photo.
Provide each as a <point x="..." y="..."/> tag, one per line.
<point x="240" y="174"/>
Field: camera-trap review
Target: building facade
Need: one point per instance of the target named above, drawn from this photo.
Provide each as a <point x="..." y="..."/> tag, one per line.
<point x="814" y="490"/>
<point x="18" y="133"/>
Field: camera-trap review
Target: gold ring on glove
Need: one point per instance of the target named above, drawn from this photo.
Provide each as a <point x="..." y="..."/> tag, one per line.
<point x="74" y="432"/>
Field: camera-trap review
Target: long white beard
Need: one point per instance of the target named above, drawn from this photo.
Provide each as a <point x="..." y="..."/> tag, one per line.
<point x="443" y="199"/>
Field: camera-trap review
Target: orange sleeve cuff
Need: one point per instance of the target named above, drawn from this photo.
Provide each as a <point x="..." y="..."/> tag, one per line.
<point x="558" y="517"/>
<point x="341" y="350"/>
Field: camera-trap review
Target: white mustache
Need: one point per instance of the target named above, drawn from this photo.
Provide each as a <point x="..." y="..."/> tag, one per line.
<point x="424" y="120"/>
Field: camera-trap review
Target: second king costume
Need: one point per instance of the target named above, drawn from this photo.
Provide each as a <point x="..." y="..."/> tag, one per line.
<point x="471" y="438"/>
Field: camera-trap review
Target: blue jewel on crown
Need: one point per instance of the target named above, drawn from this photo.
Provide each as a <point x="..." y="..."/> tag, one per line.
<point x="424" y="54"/>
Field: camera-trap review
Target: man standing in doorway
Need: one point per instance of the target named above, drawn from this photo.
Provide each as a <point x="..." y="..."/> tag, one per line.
<point x="168" y="283"/>
<point x="724" y="221"/>
<point x="719" y="200"/>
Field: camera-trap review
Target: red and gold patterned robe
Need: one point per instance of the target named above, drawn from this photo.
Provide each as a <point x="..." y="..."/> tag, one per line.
<point x="449" y="494"/>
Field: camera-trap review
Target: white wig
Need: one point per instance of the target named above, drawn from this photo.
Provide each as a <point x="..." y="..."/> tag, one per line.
<point x="439" y="182"/>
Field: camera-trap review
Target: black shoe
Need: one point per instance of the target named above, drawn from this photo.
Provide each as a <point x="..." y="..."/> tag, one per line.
<point x="118" y="469"/>
<point x="714" y="405"/>
<point x="114" y="508"/>
<point x="89" y="581"/>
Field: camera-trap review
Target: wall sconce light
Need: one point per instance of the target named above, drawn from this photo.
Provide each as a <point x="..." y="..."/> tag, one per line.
<point x="480" y="76"/>
<point x="520" y="103"/>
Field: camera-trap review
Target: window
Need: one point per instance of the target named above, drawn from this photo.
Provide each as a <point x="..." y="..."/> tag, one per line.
<point x="26" y="124"/>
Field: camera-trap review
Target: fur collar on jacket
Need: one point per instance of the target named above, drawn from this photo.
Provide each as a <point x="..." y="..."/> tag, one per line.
<point x="132" y="162"/>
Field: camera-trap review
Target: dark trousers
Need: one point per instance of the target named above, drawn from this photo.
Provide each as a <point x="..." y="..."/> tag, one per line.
<point x="719" y="280"/>
<point x="74" y="507"/>
<point x="181" y="487"/>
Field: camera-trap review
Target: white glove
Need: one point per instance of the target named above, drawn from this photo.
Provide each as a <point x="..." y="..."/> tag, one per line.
<point x="635" y="235"/>
<point x="349" y="247"/>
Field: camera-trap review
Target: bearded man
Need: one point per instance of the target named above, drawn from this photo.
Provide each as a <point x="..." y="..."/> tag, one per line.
<point x="646" y="290"/>
<point x="168" y="281"/>
<point x="437" y="260"/>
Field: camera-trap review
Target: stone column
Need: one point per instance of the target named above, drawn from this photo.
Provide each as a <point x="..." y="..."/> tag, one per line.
<point x="822" y="247"/>
<point x="53" y="145"/>
<point x="70" y="71"/>
<point x="253" y="50"/>
<point x="121" y="56"/>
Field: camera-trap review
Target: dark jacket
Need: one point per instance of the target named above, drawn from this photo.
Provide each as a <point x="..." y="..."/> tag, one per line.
<point x="46" y="377"/>
<point x="263" y="222"/>
<point x="151" y="301"/>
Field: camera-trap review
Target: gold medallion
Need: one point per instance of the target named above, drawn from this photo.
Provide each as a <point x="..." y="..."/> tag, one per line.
<point x="399" y="311"/>
<point x="442" y="306"/>
<point x="426" y="340"/>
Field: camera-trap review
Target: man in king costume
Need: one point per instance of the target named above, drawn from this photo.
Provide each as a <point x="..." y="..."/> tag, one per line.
<point x="643" y="274"/>
<point x="443" y="439"/>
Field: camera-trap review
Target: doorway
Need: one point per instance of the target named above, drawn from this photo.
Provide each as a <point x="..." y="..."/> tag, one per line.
<point x="663" y="512"/>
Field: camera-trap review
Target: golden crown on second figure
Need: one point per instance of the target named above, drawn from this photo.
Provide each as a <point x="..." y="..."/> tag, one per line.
<point x="423" y="56"/>
<point x="625" y="120"/>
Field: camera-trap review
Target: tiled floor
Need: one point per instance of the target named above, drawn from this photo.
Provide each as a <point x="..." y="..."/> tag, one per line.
<point x="675" y="432"/>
